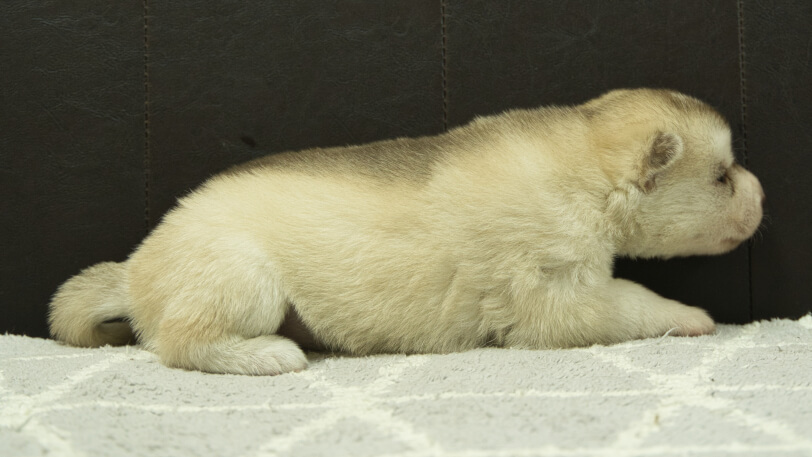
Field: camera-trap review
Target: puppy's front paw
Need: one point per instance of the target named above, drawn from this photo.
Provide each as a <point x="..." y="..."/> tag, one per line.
<point x="692" y="322"/>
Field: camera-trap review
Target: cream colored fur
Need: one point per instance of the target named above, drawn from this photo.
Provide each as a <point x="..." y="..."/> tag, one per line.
<point x="501" y="232"/>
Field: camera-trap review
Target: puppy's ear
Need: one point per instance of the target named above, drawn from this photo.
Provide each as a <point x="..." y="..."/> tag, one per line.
<point x="665" y="149"/>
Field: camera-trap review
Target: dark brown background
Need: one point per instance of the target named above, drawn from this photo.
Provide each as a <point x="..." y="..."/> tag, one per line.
<point x="111" y="110"/>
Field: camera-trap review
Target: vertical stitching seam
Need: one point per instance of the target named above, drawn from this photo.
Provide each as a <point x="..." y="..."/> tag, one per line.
<point x="147" y="154"/>
<point x="743" y="95"/>
<point x="742" y="78"/>
<point x="443" y="28"/>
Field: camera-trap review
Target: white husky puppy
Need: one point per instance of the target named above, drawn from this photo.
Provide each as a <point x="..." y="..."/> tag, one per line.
<point x="500" y="232"/>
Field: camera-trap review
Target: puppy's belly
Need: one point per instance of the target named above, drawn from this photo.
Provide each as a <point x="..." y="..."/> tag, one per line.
<point x="294" y="328"/>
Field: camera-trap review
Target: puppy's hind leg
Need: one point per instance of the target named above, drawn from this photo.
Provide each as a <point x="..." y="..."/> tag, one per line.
<point x="233" y="354"/>
<point x="217" y="313"/>
<point x="218" y="338"/>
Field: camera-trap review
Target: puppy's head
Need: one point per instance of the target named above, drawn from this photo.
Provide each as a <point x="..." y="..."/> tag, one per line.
<point x="672" y="156"/>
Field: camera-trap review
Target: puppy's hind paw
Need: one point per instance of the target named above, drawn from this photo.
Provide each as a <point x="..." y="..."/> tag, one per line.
<point x="262" y="355"/>
<point x="278" y="355"/>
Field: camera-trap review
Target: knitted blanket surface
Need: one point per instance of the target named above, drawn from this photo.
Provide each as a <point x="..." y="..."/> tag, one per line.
<point x="746" y="390"/>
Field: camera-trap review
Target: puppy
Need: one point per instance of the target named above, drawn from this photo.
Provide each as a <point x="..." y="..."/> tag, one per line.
<point x="501" y="232"/>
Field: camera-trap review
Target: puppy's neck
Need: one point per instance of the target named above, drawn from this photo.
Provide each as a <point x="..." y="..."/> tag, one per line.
<point x="622" y="226"/>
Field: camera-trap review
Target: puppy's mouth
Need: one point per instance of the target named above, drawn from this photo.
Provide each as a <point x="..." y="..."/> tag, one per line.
<point x="728" y="244"/>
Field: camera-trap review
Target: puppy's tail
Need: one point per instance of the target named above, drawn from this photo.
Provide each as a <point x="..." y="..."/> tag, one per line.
<point x="91" y="309"/>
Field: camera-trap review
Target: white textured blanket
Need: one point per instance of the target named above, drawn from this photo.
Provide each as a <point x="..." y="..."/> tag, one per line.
<point x="745" y="391"/>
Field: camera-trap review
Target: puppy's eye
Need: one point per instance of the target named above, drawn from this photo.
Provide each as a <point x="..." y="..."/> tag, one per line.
<point x="724" y="179"/>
